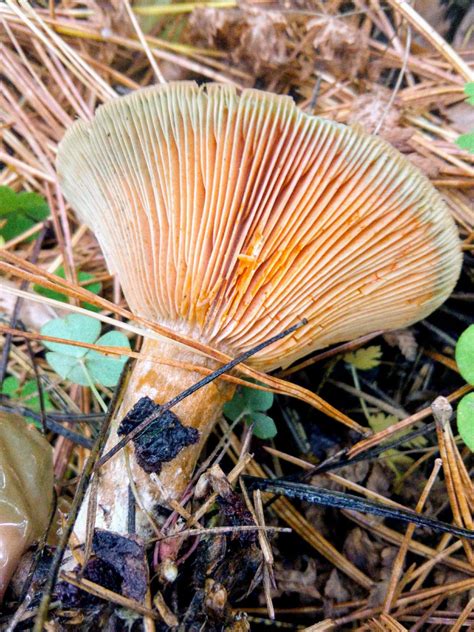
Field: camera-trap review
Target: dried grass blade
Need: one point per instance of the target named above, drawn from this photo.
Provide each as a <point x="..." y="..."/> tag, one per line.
<point x="451" y="459"/>
<point x="397" y="567"/>
<point x="375" y="439"/>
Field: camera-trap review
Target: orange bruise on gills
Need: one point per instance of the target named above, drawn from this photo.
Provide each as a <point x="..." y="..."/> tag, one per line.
<point x="230" y="217"/>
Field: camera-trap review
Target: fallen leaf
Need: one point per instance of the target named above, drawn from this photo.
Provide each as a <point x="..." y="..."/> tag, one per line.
<point x="298" y="581"/>
<point x="364" y="359"/>
<point x="334" y="588"/>
<point x="405" y="340"/>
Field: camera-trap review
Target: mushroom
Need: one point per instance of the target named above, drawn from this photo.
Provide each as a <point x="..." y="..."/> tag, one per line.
<point x="229" y="218"/>
<point x="26" y="491"/>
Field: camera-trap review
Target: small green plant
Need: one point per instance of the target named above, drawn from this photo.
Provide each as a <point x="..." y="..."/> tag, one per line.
<point x="249" y="404"/>
<point x="94" y="287"/>
<point x="465" y="360"/>
<point x="25" y="393"/>
<point x="77" y="364"/>
<point x="466" y="141"/>
<point x="19" y="212"/>
<point x="392" y="456"/>
<point x="364" y="359"/>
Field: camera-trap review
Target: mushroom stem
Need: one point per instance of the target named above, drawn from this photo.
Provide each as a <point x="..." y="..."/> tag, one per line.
<point x="160" y="382"/>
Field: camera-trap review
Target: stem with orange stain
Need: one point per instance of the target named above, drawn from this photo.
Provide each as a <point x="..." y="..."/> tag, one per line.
<point x="159" y="382"/>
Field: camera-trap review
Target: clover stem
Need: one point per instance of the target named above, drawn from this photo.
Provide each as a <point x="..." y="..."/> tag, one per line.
<point x="355" y="378"/>
<point x="93" y="387"/>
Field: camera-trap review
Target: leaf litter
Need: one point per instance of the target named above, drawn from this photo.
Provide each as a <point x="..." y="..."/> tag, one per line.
<point x="339" y="60"/>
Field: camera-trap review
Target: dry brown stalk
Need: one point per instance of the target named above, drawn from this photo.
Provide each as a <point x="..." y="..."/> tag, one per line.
<point x="455" y="61"/>
<point x="458" y="482"/>
<point x="293" y="518"/>
<point x="463" y="616"/>
<point x="99" y="591"/>
<point x="419" y="548"/>
<point x="392" y="592"/>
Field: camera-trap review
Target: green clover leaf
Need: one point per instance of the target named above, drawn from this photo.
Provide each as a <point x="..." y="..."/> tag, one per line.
<point x="469" y="91"/>
<point x="466" y="141"/>
<point x="465" y="419"/>
<point x="77" y="364"/>
<point x="249" y="404"/>
<point x="263" y="426"/>
<point x="464" y="354"/>
<point x="20" y="211"/>
<point x="107" y="369"/>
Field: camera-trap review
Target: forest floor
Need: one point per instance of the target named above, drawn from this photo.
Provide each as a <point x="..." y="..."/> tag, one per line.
<point x="394" y="71"/>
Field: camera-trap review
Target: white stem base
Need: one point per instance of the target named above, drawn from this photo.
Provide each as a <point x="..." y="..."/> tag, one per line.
<point x="159" y="382"/>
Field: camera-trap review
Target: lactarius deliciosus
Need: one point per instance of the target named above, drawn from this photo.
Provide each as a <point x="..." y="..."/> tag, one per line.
<point x="26" y="490"/>
<point x="230" y="218"/>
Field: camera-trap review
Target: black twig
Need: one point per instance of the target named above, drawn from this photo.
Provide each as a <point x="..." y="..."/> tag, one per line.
<point x="26" y="589"/>
<point x="39" y="386"/>
<point x="341" y="500"/>
<point x="77" y="418"/>
<point x="314" y="96"/>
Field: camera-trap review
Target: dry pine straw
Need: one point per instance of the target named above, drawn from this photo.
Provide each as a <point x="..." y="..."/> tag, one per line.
<point x="60" y="62"/>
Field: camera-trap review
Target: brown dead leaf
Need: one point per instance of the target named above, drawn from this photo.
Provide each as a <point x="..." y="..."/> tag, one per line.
<point x="387" y="558"/>
<point x="291" y="579"/>
<point x="443" y="576"/>
<point x="208" y="24"/>
<point x="377" y="593"/>
<point x="405" y="340"/>
<point x="398" y="137"/>
<point x="361" y="551"/>
<point x="334" y="588"/>
<point x="368" y="109"/>
<point x="464" y="38"/>
<point x="32" y="315"/>
<point x="341" y="45"/>
<point x="462" y="115"/>
<point x="435" y="14"/>
<point x="357" y="472"/>
<point x="113" y="17"/>
<point x="264" y="40"/>
<point x="379" y="479"/>
<point x="255" y="38"/>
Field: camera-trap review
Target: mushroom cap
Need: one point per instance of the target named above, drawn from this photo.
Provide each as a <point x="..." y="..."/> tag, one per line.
<point x="230" y="218"/>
